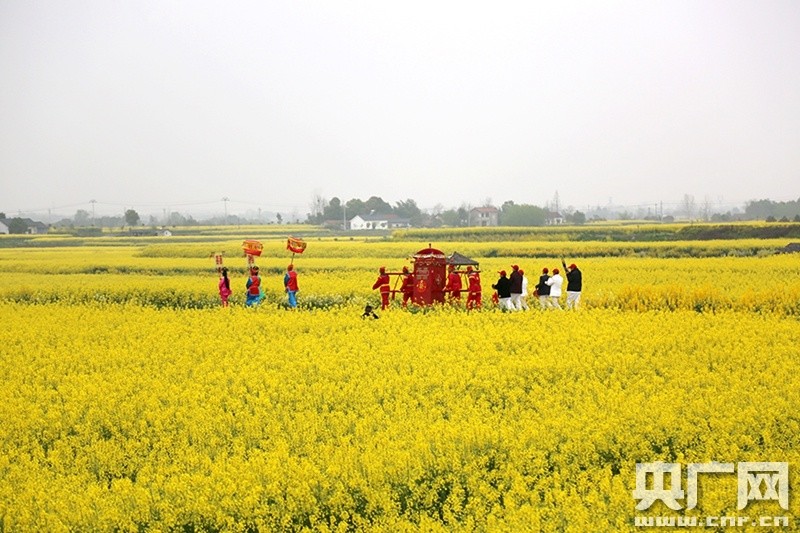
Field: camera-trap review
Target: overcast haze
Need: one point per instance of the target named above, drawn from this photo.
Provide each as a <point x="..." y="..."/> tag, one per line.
<point x="156" y="105"/>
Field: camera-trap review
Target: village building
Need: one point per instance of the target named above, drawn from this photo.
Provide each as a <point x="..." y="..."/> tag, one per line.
<point x="484" y="216"/>
<point x="378" y="222"/>
<point x="32" y="227"/>
<point x="554" y="219"/>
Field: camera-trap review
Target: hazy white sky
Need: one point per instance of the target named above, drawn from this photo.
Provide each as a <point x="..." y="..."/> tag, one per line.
<point x="168" y="104"/>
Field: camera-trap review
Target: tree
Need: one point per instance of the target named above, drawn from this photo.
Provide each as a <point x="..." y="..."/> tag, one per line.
<point x="279" y="218"/>
<point x="706" y="209"/>
<point x="377" y="205"/>
<point x="760" y="209"/>
<point x="688" y="206"/>
<point x="334" y="210"/>
<point x="463" y="216"/>
<point x="449" y="217"/>
<point x="176" y="219"/>
<point x="131" y="217"/>
<point x="355" y="207"/>
<point x="17" y="226"/>
<point x="522" y="215"/>
<point x="82" y="217"/>
<point x="577" y="218"/>
<point x="456" y="217"/>
<point x="409" y="209"/>
<point x="318" y="205"/>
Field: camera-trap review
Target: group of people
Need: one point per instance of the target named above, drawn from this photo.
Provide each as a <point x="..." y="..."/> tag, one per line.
<point x="453" y="287"/>
<point x="512" y="291"/>
<point x="254" y="293"/>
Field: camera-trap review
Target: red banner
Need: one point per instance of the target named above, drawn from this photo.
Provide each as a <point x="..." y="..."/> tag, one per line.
<point x="252" y="247"/>
<point x="295" y="245"/>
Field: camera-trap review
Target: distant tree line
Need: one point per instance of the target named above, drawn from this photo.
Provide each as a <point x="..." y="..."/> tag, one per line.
<point x="773" y="211"/>
<point x="335" y="212"/>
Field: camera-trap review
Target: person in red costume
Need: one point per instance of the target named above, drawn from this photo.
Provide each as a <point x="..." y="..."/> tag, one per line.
<point x="407" y="288"/>
<point x="454" y="283"/>
<point x="473" y="288"/>
<point x="254" y="295"/>
<point x="290" y="285"/>
<point x="382" y="283"/>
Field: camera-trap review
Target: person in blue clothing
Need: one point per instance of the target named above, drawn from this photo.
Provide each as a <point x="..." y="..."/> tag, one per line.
<point x="290" y="284"/>
<point x="254" y="294"/>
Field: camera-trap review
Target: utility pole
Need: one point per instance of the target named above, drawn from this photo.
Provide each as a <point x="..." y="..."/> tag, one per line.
<point x="344" y="217"/>
<point x="226" y="199"/>
<point x="93" y="201"/>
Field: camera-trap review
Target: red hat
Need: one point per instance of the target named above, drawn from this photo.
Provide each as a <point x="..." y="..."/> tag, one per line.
<point x="573" y="266"/>
<point x="502" y="273"/>
<point x="290" y="267"/>
<point x="515" y="267"/>
<point x="521" y="271"/>
<point x="469" y="268"/>
<point x="382" y="270"/>
<point x="555" y="271"/>
<point x="545" y="271"/>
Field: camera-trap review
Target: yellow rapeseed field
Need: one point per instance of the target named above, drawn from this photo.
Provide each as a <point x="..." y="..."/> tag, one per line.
<point x="337" y="272"/>
<point x="133" y="402"/>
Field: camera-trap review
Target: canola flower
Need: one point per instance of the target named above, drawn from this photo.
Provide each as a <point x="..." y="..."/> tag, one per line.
<point x="335" y="273"/>
<point x="132" y="401"/>
<point x="122" y="417"/>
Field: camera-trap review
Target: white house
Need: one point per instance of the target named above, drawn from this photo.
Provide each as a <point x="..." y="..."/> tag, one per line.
<point x="484" y="216"/>
<point x="379" y="222"/>
<point x="35" y="228"/>
<point x="554" y="219"/>
<point x="32" y="227"/>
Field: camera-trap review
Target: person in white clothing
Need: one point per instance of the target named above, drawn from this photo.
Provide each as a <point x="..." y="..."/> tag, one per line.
<point x="523" y="298"/>
<point x="555" y="283"/>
